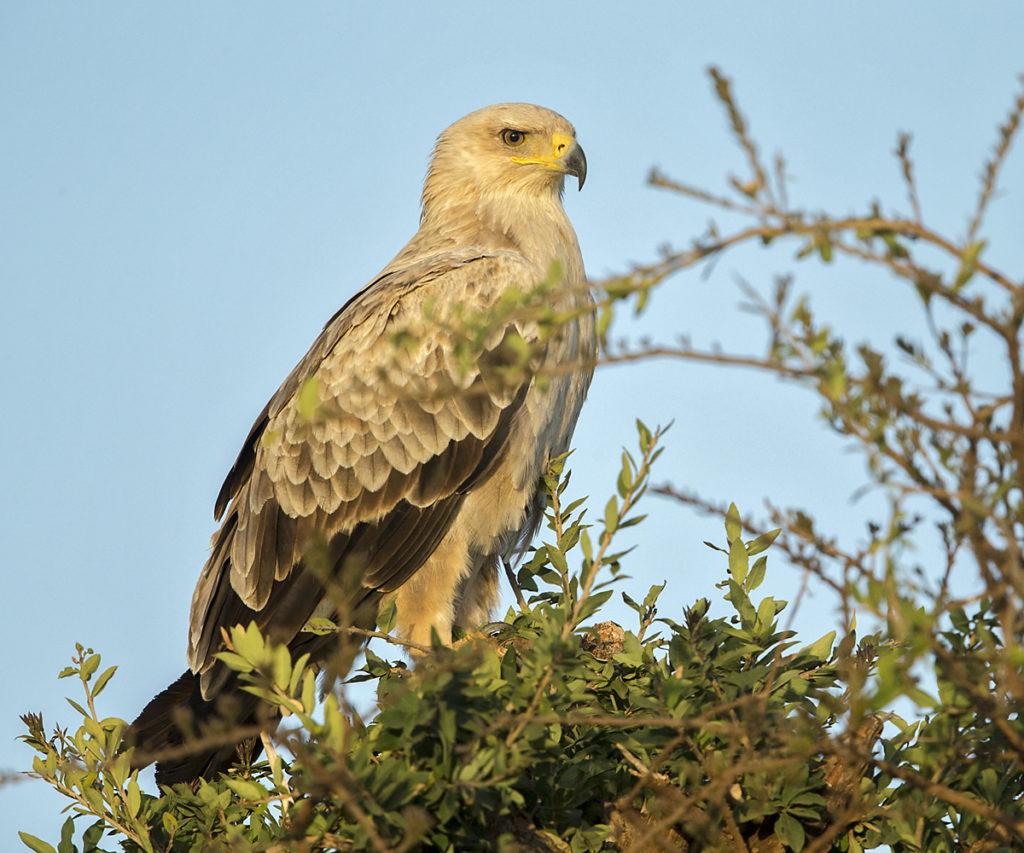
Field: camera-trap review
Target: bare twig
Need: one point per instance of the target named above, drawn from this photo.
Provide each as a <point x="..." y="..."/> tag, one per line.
<point x="907" y="169"/>
<point x="1007" y="132"/>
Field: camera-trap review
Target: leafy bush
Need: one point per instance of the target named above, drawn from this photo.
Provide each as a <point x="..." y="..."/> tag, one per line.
<point x="544" y="734"/>
<point x="689" y="730"/>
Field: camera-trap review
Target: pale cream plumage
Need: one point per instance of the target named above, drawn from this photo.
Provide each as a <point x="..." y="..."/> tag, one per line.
<point x="414" y="468"/>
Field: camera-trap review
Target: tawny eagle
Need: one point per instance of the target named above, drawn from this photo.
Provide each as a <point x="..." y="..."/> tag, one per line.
<point x="402" y="449"/>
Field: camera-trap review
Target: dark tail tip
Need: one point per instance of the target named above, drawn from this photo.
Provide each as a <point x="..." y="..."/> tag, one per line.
<point x="191" y="738"/>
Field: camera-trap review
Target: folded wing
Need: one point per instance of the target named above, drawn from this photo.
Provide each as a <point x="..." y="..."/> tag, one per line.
<point x="367" y="450"/>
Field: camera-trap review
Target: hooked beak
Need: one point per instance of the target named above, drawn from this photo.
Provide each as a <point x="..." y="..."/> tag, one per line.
<point x="566" y="157"/>
<point x="575" y="162"/>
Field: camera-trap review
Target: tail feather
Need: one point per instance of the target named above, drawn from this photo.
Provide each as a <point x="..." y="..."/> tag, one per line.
<point x="192" y="738"/>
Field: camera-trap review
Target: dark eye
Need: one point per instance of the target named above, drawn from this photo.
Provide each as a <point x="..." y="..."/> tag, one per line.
<point x="513" y="138"/>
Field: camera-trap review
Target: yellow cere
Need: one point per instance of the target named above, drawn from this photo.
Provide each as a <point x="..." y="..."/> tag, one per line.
<point x="560" y="144"/>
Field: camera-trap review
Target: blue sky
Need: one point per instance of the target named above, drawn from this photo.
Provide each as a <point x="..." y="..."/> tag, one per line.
<point x="188" y="192"/>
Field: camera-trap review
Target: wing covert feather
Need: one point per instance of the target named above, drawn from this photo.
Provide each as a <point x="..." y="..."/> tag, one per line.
<point x="380" y="467"/>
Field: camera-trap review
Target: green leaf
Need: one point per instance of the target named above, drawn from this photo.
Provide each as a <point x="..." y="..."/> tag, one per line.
<point x="121" y="768"/>
<point x="246" y="789"/>
<point x="765" y="615"/>
<point x="76" y="706"/>
<point x="756" y="575"/>
<point x="738" y="561"/>
<point x="593" y="603"/>
<point x="625" y="481"/>
<point x="134" y="797"/>
<point x="586" y="546"/>
<point x="282" y="667"/>
<point x="834" y="383"/>
<point x="249" y="643"/>
<point x="652" y="594"/>
<point x="611" y="515"/>
<point x="820" y="649"/>
<point x="90" y="666"/>
<point x="170" y="823"/>
<point x="320" y="625"/>
<point x="309" y="691"/>
<point x="557" y="559"/>
<point x="790" y="832"/>
<point x="572" y="507"/>
<point x="763" y="542"/>
<point x="388" y="614"/>
<point x="101" y="682"/>
<point x="631" y="604"/>
<point x="645" y="436"/>
<point x="739" y="599"/>
<point x="36" y="844"/>
<point x="93" y="727"/>
<point x="298" y="668"/>
<point x="91" y="837"/>
<point x="733" y="525"/>
<point x="968" y="264"/>
<point x="93" y="797"/>
<point x="67" y="835"/>
<point x="234" y="662"/>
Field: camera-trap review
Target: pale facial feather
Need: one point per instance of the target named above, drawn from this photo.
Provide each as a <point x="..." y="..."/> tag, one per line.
<point x="472" y="162"/>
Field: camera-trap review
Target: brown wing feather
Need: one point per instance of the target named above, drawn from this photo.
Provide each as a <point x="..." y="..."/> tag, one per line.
<point x="388" y="286"/>
<point x="379" y="471"/>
